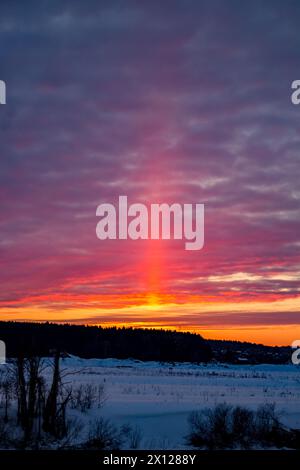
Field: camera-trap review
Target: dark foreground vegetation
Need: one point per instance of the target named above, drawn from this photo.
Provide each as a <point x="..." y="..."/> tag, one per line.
<point x="229" y="427"/>
<point x="123" y="343"/>
<point x="36" y="400"/>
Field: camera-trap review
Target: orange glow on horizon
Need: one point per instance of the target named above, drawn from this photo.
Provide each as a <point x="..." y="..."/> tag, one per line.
<point x="154" y="310"/>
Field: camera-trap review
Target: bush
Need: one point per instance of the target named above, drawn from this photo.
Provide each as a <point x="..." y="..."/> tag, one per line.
<point x="225" y="427"/>
<point x="103" y="435"/>
<point x="211" y="427"/>
<point x="3" y="433"/>
<point x="242" y="426"/>
<point x="266" y="423"/>
<point x="85" y="396"/>
<point x="133" y="435"/>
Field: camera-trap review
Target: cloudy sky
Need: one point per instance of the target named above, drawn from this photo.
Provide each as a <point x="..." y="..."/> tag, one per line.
<point x="163" y="101"/>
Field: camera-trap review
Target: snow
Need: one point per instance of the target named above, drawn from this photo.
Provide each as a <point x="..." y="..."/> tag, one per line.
<point x="158" y="397"/>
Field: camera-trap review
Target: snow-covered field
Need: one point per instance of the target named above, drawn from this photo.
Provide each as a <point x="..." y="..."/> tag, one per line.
<point x="159" y="397"/>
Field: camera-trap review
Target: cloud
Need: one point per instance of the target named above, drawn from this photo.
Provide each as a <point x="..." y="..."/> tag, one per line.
<point x="162" y="101"/>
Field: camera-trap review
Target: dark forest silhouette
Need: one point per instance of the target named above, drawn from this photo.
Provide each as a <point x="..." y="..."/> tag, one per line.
<point x="142" y="344"/>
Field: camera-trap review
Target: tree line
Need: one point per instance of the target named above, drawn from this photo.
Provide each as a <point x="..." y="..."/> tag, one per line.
<point x="92" y="341"/>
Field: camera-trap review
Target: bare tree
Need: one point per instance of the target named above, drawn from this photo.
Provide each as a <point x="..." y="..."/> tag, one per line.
<point x="6" y="388"/>
<point x="50" y="411"/>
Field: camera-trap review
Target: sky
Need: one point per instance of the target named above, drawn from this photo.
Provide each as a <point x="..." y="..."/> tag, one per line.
<point x="173" y="101"/>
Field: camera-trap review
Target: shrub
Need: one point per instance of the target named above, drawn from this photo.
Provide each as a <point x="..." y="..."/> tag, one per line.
<point x="242" y="426"/>
<point x="211" y="427"/>
<point x="266" y="423"/>
<point x="103" y="435"/>
<point x="226" y="427"/>
<point x="133" y="435"/>
<point x="85" y="396"/>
